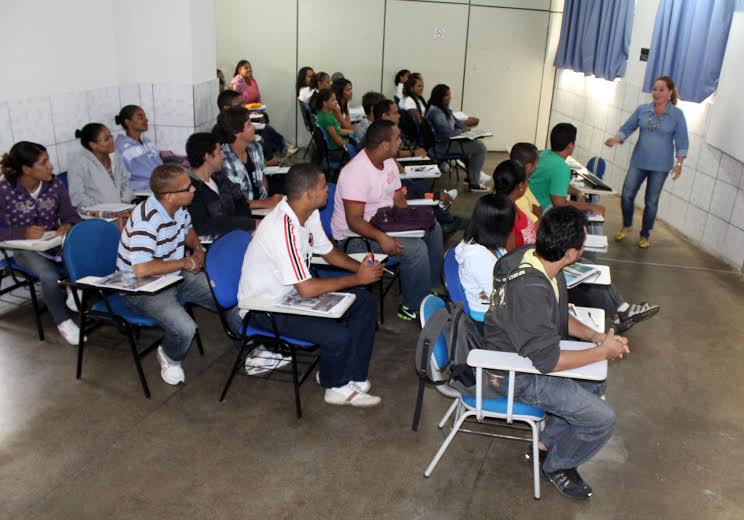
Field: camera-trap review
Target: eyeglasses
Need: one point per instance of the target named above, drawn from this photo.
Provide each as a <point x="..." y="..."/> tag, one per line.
<point x="187" y="188"/>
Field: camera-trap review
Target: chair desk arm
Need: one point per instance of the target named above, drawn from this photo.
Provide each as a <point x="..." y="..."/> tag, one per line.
<point x="510" y="361"/>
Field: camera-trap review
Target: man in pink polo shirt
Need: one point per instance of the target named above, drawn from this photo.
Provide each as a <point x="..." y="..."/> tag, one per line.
<point x="369" y="182"/>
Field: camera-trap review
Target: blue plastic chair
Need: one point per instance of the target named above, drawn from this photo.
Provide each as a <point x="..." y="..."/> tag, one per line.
<point x="20" y="279"/>
<point x="597" y="166"/>
<point x="331" y="160"/>
<point x="223" y="268"/>
<point x="90" y="249"/>
<point x="475" y="405"/>
<point x="452" y="280"/>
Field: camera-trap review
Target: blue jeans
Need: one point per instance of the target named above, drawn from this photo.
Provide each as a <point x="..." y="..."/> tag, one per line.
<point x="579" y="422"/>
<point x="48" y="274"/>
<point x="654" y="185"/>
<point x="345" y="344"/>
<point x="178" y="327"/>
<point x="420" y="264"/>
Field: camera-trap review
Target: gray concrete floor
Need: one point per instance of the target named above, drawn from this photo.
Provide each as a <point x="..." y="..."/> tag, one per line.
<point x="96" y="448"/>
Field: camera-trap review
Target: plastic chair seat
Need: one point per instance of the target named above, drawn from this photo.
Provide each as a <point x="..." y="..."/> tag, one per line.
<point x="297" y="342"/>
<point x="124" y="311"/>
<point x="499" y="406"/>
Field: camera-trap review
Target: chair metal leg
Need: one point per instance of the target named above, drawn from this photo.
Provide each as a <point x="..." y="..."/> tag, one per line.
<point x="535" y="459"/>
<point x="81" y="345"/>
<point x="137" y="363"/>
<point x="296" y="383"/>
<point x="232" y="372"/>
<point x="382" y="300"/>
<point x="37" y="313"/>
<point x="199" y="342"/>
<point x="450" y="411"/>
<point x="455" y="428"/>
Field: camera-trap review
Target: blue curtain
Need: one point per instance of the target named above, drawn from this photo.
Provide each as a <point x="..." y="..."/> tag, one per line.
<point x="688" y="45"/>
<point x="595" y="37"/>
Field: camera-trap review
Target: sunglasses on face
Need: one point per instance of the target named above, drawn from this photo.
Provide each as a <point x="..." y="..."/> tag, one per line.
<point x="186" y="189"/>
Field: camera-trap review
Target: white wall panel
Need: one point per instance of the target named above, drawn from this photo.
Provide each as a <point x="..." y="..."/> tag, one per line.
<point x="506" y="52"/>
<point x="264" y="33"/>
<point x="426" y="38"/>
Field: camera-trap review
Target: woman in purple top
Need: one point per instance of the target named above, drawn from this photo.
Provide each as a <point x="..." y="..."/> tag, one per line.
<point x="34" y="202"/>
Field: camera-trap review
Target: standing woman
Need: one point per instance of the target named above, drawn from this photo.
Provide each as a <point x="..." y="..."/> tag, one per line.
<point x="304" y="87"/>
<point x="243" y="158"/>
<point x="139" y="155"/>
<point x="97" y="176"/>
<point x="662" y="136"/>
<point x="34" y="202"/>
<point x="445" y="126"/>
<point x="244" y="83"/>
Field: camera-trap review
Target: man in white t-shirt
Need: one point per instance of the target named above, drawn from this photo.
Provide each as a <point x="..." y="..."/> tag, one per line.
<point x="277" y="263"/>
<point x="369" y="182"/>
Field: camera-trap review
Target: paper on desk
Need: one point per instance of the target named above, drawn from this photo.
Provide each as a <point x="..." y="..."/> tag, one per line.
<point x="462" y="116"/>
<point x="276" y="170"/>
<point x="596" y="241"/>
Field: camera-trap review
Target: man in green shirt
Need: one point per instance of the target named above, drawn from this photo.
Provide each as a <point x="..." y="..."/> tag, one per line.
<point x="551" y="182"/>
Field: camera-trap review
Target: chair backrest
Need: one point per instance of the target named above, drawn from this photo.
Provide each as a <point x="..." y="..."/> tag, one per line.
<point x="452" y="279"/>
<point x="408" y="126"/>
<point x="427" y="135"/>
<point x="440" y="354"/>
<point x="63" y="177"/>
<point x="224" y="264"/>
<point x="306" y="115"/>
<point x="597" y="166"/>
<point x="90" y="249"/>
<point x="326" y="212"/>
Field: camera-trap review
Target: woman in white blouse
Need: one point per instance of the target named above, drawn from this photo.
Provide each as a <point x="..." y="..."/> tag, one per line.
<point x="413" y="97"/>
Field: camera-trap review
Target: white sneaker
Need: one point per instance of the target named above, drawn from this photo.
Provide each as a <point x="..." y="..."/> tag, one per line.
<point x="262" y="360"/>
<point x="70" y="301"/>
<point x="453" y="193"/>
<point x="171" y="371"/>
<point x="484" y="177"/>
<point x="461" y="164"/>
<point x="70" y="331"/>
<point x="363" y="386"/>
<point x="350" y="394"/>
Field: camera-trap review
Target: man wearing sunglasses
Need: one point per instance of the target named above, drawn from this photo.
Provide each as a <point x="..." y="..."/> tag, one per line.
<point x="153" y="243"/>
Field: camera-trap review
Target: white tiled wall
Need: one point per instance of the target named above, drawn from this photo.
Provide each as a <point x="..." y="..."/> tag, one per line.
<point x="706" y="203"/>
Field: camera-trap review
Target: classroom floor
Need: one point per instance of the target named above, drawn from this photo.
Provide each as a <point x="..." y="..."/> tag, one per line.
<point x="96" y="448"/>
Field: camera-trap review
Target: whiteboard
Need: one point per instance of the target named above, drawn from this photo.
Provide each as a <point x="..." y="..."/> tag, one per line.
<point x="726" y="128"/>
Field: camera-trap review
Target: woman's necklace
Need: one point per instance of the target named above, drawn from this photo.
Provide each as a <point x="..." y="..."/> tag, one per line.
<point x="654" y="120"/>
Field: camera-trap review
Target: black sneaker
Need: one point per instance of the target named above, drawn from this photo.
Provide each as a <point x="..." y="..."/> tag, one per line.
<point x="569" y="483"/>
<point x="635" y="313"/>
<point x="406" y="313"/>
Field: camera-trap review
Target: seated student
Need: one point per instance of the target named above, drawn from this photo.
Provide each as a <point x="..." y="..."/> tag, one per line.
<point x="531" y="318"/>
<point x="218" y="206"/>
<point x="244" y="161"/>
<point x="371" y="181"/>
<point x="221" y="80"/>
<point x="244" y="83"/>
<point x="272" y="267"/>
<point x="483" y="243"/>
<point x="445" y="126"/>
<point x="274" y="145"/>
<point x="325" y="107"/>
<point x="528" y="156"/>
<point x="342" y="87"/>
<point x="551" y="182"/>
<point x="509" y="179"/>
<point x="400" y="79"/>
<point x="34" y="201"/>
<point x="303" y="86"/>
<point x="153" y="243"/>
<point x="139" y="155"/>
<point x="387" y="109"/>
<point x="97" y="175"/>
<point x="413" y="97"/>
<point x="369" y="100"/>
<point x="320" y="82"/>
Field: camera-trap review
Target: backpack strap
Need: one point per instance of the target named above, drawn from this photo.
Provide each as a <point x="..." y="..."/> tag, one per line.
<point x="427" y="339"/>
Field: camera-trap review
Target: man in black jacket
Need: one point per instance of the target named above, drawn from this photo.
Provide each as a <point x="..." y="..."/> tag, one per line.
<point x="529" y="316"/>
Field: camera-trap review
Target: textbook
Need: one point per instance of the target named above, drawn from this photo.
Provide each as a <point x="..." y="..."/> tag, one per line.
<point x="578" y="273"/>
<point x="128" y="282"/>
<point x="596" y="241"/>
<point x="472" y="134"/>
<point x="424" y="168"/>
<point x="325" y="303"/>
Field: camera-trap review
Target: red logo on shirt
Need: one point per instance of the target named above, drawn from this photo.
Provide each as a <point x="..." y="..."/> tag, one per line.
<point x="310" y="240"/>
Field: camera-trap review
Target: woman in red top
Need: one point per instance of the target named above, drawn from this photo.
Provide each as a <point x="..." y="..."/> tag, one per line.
<point x="244" y="83"/>
<point x="510" y="179"/>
